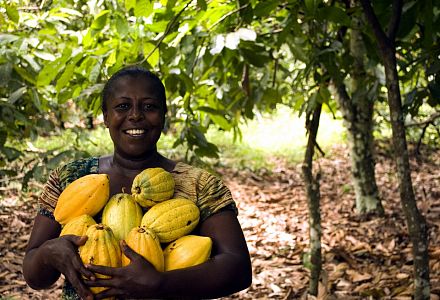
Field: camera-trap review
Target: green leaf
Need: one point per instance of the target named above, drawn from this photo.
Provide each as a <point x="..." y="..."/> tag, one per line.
<point x="312" y="6"/>
<point x="51" y="70"/>
<point x="298" y="52"/>
<point x="11" y="153"/>
<point x="247" y="14"/>
<point x="210" y="150"/>
<point x="255" y="56"/>
<point x="3" y="136"/>
<point x="434" y="68"/>
<point x="129" y="4"/>
<point x="158" y="27"/>
<point x="428" y="16"/>
<point x="334" y="14"/>
<point x="12" y="12"/>
<point x="68" y="72"/>
<point x="8" y="38"/>
<point x="434" y="88"/>
<point x="217" y="116"/>
<point x="143" y="8"/>
<point x="221" y="121"/>
<point x="17" y="94"/>
<point x="100" y="20"/>
<point x="153" y="58"/>
<point x="202" y="4"/>
<point x="5" y="73"/>
<point x="36" y="100"/>
<point x="95" y="70"/>
<point x="121" y="26"/>
<point x="265" y="8"/>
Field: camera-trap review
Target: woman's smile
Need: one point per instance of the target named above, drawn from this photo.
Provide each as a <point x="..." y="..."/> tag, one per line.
<point x="135" y="132"/>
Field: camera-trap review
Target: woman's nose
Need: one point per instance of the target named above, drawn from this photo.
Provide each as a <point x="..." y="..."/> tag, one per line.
<point x="135" y="114"/>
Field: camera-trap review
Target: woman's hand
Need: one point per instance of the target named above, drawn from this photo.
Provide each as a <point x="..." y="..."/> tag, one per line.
<point x="62" y="254"/>
<point x="137" y="280"/>
<point x="48" y="255"/>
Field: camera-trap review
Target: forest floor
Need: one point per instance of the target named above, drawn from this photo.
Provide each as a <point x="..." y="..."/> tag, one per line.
<point x="363" y="258"/>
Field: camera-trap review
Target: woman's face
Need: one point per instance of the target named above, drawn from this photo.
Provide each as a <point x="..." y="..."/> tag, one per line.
<point x="134" y="116"/>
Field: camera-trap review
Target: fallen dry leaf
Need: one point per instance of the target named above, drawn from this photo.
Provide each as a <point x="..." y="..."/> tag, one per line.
<point x="363" y="259"/>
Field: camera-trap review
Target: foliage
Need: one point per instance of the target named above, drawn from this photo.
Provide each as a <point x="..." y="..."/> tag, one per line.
<point x="221" y="61"/>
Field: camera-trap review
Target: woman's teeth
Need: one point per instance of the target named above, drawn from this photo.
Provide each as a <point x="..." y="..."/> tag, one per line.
<point x="135" y="132"/>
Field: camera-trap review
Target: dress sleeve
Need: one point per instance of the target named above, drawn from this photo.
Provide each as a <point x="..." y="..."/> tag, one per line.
<point x="49" y="197"/>
<point x="213" y="195"/>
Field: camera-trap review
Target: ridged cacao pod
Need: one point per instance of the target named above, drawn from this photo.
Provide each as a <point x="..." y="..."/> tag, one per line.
<point x="101" y="248"/>
<point x="78" y="225"/>
<point x="145" y="242"/>
<point x="151" y="186"/>
<point x="172" y="219"/>
<point x="187" y="251"/>
<point x="86" y="195"/>
<point x="121" y="214"/>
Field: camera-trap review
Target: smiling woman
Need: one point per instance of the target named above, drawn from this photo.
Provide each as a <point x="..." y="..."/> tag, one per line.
<point x="134" y="108"/>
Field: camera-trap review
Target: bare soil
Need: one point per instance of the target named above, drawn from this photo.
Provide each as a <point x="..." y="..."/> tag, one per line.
<point x="363" y="257"/>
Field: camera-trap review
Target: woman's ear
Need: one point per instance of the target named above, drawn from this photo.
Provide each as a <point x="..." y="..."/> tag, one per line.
<point x="105" y="119"/>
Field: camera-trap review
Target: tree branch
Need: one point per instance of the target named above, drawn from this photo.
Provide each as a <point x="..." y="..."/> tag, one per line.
<point x="428" y="121"/>
<point x="393" y="25"/>
<point x="167" y="31"/>
<point x="227" y="15"/>
<point x="384" y="42"/>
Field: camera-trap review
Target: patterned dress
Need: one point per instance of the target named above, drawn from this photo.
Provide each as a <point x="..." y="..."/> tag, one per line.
<point x="206" y="190"/>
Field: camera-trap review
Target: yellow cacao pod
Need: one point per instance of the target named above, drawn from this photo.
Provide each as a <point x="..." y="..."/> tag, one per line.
<point x="121" y="214"/>
<point x="86" y="195"/>
<point x="172" y="219"/>
<point x="187" y="251"/>
<point x="78" y="225"/>
<point x="151" y="186"/>
<point x="145" y="242"/>
<point x="101" y="248"/>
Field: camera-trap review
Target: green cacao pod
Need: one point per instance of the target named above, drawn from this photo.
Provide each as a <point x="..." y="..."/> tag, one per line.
<point x="78" y="225"/>
<point x="121" y="214"/>
<point x="145" y="242"/>
<point x="172" y="219"/>
<point x="86" y="195"/>
<point x="151" y="186"/>
<point x="101" y="248"/>
<point x="187" y="251"/>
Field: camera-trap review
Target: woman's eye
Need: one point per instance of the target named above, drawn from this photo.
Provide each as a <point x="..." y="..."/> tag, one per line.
<point x="149" y="106"/>
<point x="122" y="106"/>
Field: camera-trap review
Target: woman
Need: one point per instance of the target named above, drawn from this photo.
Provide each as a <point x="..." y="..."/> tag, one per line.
<point x="134" y="108"/>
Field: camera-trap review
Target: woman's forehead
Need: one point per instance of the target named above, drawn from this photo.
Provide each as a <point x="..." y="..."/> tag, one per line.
<point x="128" y="84"/>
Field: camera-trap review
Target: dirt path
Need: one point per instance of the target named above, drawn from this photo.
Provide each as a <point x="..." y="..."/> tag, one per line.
<point x="363" y="259"/>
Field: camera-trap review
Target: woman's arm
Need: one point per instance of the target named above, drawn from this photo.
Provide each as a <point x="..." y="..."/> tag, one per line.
<point x="228" y="271"/>
<point x="47" y="256"/>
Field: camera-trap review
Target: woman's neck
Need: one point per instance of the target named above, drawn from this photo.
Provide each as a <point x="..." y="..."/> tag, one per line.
<point x="128" y="166"/>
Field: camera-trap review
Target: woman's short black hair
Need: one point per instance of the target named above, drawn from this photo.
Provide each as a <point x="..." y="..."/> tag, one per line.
<point x="133" y="71"/>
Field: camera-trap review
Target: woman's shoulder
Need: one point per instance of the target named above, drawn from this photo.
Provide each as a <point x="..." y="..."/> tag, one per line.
<point x="75" y="169"/>
<point x="188" y="172"/>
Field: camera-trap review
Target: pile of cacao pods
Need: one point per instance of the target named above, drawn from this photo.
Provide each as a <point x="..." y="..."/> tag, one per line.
<point x="162" y="234"/>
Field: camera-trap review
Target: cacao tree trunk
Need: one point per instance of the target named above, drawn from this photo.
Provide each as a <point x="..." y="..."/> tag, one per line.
<point x="313" y="200"/>
<point x="415" y="222"/>
<point x="357" y="112"/>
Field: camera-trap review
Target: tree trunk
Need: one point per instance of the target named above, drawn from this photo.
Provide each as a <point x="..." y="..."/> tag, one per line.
<point x="313" y="197"/>
<point x="415" y="221"/>
<point x="357" y="112"/>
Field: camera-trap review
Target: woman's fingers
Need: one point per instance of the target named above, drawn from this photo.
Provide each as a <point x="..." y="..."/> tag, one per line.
<point x="81" y="241"/>
<point x="109" y="271"/>
<point x="78" y="285"/>
<point x="77" y="240"/>
<point x="79" y="266"/>
<point x="130" y="253"/>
